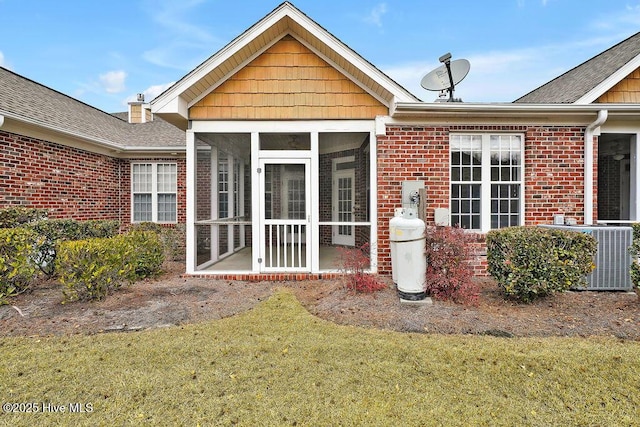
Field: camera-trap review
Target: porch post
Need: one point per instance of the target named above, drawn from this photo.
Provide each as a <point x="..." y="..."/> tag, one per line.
<point x="634" y="206"/>
<point x="313" y="209"/>
<point x="373" y="199"/>
<point x="191" y="203"/>
<point x="256" y="220"/>
<point x="215" y="228"/>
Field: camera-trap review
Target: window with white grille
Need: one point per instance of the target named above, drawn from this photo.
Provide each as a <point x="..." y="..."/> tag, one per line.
<point x="223" y="188"/>
<point x="486" y="180"/>
<point x="154" y="192"/>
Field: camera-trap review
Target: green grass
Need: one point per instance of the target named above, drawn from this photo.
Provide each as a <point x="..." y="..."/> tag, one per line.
<point x="278" y="365"/>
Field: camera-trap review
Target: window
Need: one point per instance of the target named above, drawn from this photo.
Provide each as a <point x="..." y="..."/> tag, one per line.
<point x="153" y="188"/>
<point x="223" y="188"/>
<point x="486" y="181"/>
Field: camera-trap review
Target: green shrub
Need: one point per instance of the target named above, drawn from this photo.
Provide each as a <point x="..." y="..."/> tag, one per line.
<point x="532" y="262"/>
<point x="634" y="250"/>
<point x="147" y="226"/>
<point x="174" y="242"/>
<point x="172" y="238"/>
<point x="16" y="216"/>
<point x="90" y="269"/>
<point x="148" y="254"/>
<point x="17" y="265"/>
<point x="55" y="231"/>
<point x="98" y="228"/>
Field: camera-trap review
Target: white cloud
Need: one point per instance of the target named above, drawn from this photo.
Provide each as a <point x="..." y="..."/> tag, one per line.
<point x="149" y="93"/>
<point x="183" y="44"/>
<point x="169" y="15"/>
<point x="624" y="20"/>
<point x="375" y="16"/>
<point x="113" y="81"/>
<point x="177" y="54"/>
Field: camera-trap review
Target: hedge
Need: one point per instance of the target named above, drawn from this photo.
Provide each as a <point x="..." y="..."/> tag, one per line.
<point x="17" y="263"/>
<point x="90" y="269"/>
<point x="172" y="238"/>
<point x="532" y="262"/>
<point x="17" y="216"/>
<point x="634" y="250"/>
<point x="55" y="231"/>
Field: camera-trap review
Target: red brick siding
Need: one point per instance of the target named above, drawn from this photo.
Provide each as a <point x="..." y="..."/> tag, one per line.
<point x="410" y="153"/>
<point x="69" y="182"/>
<point x="554" y="173"/>
<point x="554" y="170"/>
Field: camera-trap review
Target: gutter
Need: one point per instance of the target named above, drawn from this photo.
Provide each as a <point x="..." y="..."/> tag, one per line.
<point x="465" y="109"/>
<point x="97" y="141"/>
<point x="160" y="149"/>
<point x="116" y="148"/>
<point x="589" y="132"/>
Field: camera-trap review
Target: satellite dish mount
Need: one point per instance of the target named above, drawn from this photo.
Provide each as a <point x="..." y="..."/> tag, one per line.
<point x="446" y="60"/>
<point x="446" y="77"/>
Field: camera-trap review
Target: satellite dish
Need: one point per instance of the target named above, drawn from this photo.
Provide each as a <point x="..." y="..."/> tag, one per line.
<point x="446" y="76"/>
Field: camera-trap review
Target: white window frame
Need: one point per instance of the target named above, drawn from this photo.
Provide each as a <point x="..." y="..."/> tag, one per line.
<point x="154" y="191"/>
<point x="485" y="180"/>
<point x="223" y="187"/>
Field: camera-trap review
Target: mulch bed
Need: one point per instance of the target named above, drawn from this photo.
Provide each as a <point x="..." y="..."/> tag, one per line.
<point x="174" y="300"/>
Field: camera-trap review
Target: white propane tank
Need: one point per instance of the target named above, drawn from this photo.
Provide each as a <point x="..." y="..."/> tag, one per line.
<point x="393" y="223"/>
<point x="408" y="260"/>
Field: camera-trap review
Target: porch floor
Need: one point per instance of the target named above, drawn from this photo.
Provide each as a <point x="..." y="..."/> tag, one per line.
<point x="241" y="260"/>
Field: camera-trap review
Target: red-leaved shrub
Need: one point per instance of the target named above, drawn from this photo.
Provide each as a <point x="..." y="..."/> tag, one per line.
<point x="354" y="262"/>
<point x="449" y="275"/>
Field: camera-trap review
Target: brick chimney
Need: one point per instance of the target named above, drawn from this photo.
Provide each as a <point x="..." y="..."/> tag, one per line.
<point x="139" y="112"/>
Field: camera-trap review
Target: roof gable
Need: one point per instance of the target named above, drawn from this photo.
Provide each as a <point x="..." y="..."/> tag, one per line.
<point x="285" y="20"/>
<point x="588" y="81"/>
<point x="288" y="81"/>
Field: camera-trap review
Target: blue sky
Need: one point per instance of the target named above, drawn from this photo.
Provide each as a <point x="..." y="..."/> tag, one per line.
<point x="104" y="52"/>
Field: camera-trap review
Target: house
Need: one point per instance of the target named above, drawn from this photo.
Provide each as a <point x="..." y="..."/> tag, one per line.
<point x="79" y="162"/>
<point x="286" y="145"/>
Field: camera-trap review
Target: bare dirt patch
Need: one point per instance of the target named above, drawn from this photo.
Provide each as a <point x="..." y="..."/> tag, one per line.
<point x="174" y="300"/>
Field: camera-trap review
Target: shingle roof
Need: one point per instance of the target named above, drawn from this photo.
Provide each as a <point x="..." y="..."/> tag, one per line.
<point x="577" y="82"/>
<point x="28" y="100"/>
<point x="157" y="133"/>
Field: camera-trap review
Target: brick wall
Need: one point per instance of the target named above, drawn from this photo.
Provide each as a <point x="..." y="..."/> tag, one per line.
<point x="554" y="183"/>
<point x="554" y="173"/>
<point x="69" y="182"/>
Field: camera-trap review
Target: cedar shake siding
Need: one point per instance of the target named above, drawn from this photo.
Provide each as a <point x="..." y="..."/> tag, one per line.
<point x="288" y="81"/>
<point x="627" y="91"/>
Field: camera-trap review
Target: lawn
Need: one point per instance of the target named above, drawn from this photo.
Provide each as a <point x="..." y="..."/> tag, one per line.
<point x="278" y="365"/>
